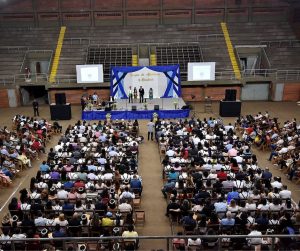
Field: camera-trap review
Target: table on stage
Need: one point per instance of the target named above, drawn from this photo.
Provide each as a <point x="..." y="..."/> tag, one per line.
<point x="60" y="112"/>
<point x="230" y="108"/>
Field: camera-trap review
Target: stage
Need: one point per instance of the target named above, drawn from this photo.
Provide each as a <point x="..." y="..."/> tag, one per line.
<point x="164" y="107"/>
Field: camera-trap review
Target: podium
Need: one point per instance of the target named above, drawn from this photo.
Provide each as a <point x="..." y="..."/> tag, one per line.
<point x="60" y="112"/>
<point x="230" y="108"/>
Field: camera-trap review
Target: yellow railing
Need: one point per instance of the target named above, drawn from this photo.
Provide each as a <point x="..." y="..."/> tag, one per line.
<point x="231" y="53"/>
<point x="56" y="58"/>
<point x="153" y="60"/>
<point x="135" y="60"/>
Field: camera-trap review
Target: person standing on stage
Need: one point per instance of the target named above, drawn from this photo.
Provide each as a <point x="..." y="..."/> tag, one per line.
<point x="83" y="102"/>
<point x="141" y="92"/>
<point x="95" y="98"/>
<point x="134" y="94"/>
<point x="35" y="106"/>
<point x="130" y="95"/>
<point x="150" y="127"/>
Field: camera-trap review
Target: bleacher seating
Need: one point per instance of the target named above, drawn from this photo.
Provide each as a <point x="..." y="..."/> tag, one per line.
<point x="109" y="56"/>
<point x="182" y="54"/>
<point x="20" y="40"/>
<point x="262" y="33"/>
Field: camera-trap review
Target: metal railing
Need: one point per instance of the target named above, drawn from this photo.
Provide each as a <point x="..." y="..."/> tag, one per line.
<point x="77" y="40"/>
<point x="266" y="73"/>
<point x="214" y="36"/>
<point x="13" y="47"/>
<point x="117" y="241"/>
<point x="219" y="75"/>
<point x="36" y="51"/>
<point x="288" y="74"/>
<point x="65" y="79"/>
<point x="225" y="75"/>
<point x="281" y="43"/>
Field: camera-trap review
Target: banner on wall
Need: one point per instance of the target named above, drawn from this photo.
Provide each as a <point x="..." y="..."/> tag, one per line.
<point x="164" y="81"/>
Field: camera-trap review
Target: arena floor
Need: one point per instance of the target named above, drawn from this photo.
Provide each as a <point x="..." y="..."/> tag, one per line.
<point x="153" y="201"/>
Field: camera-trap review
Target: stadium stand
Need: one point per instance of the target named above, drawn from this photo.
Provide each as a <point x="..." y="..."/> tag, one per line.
<point x="109" y="56"/>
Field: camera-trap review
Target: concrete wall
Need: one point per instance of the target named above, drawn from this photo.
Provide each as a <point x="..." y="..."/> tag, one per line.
<point x="200" y="92"/>
<point x="291" y="92"/>
<point x="12" y="93"/>
<point x="73" y="95"/>
<point x="138" y="12"/>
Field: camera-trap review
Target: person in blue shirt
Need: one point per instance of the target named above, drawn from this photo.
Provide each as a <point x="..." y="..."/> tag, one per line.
<point x="173" y="175"/>
<point x="228" y="221"/>
<point x="44" y="167"/>
<point x="189" y="222"/>
<point x="168" y="187"/>
<point x="233" y="195"/>
<point x="68" y="184"/>
<point x="58" y="233"/>
<point x="136" y="184"/>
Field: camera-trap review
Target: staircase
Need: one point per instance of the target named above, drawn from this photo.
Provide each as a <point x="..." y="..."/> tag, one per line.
<point x="57" y="54"/>
<point x="231" y="53"/>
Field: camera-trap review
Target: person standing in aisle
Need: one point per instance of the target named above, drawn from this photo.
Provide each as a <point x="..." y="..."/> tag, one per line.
<point x="35" y="106"/>
<point x="141" y="92"/>
<point x="150" y="127"/>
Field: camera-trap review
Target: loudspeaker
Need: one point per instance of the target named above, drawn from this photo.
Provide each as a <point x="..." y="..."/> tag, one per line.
<point x="107" y="109"/>
<point x="185" y="107"/>
<point x="230" y="95"/>
<point x="60" y="98"/>
<point x="133" y="108"/>
<point x="156" y="107"/>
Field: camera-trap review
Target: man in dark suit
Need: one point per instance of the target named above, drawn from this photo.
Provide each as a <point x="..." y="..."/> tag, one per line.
<point x="35" y="106"/>
<point x="141" y="92"/>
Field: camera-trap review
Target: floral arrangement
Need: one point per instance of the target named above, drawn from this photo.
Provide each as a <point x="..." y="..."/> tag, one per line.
<point x="175" y="104"/>
<point x="155" y="117"/>
<point x="108" y="116"/>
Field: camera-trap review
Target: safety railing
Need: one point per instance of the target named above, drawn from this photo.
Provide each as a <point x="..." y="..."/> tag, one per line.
<point x="210" y="36"/>
<point x="65" y="79"/>
<point x="253" y="73"/>
<point x="36" y="51"/>
<point x="281" y="43"/>
<point x="78" y="40"/>
<point x="15" y="48"/>
<point x="219" y="75"/>
<point x="225" y="75"/>
<point x="288" y="74"/>
<point x="166" y="242"/>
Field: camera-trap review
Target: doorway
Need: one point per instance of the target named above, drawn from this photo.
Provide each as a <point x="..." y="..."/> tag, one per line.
<point x="29" y="93"/>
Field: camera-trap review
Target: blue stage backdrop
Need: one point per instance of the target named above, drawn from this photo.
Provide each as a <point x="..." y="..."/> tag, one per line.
<point x="164" y="80"/>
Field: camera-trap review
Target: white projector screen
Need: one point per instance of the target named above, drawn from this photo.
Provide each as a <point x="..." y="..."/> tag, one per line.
<point x="201" y="71"/>
<point x="89" y="73"/>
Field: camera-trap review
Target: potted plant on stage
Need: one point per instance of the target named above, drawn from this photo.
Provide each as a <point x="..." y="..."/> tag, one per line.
<point x="108" y="117"/>
<point x="175" y="105"/>
<point x="155" y="117"/>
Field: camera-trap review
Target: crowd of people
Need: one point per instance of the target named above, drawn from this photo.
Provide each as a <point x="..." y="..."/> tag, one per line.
<point x="215" y="185"/>
<point x="283" y="142"/>
<point x="87" y="185"/>
<point x="24" y="143"/>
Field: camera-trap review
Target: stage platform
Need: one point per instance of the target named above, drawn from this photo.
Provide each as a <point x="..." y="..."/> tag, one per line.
<point x="166" y="109"/>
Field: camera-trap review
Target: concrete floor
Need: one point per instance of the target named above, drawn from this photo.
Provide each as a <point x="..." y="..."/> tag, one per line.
<point x="152" y="200"/>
